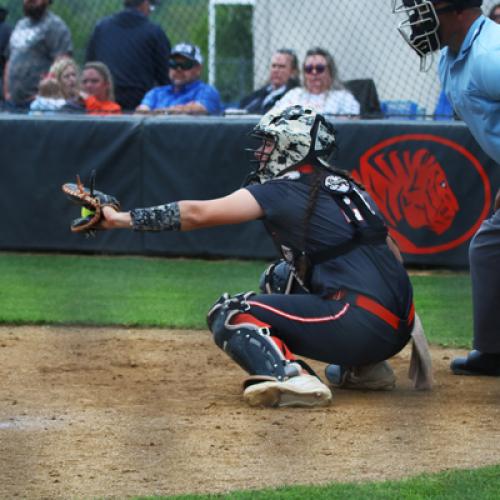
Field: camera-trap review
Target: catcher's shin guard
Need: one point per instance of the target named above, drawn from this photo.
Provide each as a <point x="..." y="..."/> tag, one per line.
<point x="248" y="344"/>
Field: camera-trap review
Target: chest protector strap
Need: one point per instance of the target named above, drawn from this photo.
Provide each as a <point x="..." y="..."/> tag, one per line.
<point x="369" y="228"/>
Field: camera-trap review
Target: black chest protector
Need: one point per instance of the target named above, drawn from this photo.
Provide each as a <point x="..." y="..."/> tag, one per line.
<point x="369" y="228"/>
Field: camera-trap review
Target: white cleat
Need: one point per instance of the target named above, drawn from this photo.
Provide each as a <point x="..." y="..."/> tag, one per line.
<point x="302" y="390"/>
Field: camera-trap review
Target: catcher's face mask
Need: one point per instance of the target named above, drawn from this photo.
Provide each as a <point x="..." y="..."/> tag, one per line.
<point x="298" y="135"/>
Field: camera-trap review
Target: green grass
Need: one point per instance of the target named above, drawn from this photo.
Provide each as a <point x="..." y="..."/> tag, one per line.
<point x="452" y="485"/>
<point x="115" y="290"/>
<point x="443" y="301"/>
<point x="139" y="291"/>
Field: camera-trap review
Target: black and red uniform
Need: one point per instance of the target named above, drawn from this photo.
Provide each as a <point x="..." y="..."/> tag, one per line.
<point x="359" y="309"/>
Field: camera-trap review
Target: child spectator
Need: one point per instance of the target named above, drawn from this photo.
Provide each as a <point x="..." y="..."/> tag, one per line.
<point x="49" y="99"/>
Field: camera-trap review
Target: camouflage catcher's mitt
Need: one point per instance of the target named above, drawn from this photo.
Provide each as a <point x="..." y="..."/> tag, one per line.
<point x="91" y="202"/>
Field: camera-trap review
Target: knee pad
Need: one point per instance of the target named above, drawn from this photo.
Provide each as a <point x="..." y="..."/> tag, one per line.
<point x="249" y="345"/>
<point x="224" y="306"/>
<point x="280" y="277"/>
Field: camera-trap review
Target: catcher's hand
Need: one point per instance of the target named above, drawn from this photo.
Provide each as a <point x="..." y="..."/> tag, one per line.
<point x="91" y="202"/>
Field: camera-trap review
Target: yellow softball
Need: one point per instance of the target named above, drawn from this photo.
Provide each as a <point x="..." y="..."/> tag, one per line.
<point x="86" y="212"/>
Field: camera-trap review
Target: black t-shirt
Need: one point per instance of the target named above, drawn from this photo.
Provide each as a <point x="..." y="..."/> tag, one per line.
<point x="135" y="50"/>
<point x="369" y="269"/>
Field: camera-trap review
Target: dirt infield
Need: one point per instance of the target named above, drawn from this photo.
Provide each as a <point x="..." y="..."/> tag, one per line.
<point x="87" y="412"/>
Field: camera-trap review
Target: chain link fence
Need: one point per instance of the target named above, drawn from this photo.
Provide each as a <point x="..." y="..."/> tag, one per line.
<point x="238" y="37"/>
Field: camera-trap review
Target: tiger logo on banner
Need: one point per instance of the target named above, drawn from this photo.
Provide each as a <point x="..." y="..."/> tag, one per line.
<point x="422" y="185"/>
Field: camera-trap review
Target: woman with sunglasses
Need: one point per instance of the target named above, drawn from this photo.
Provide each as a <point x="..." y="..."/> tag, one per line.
<point x="322" y="89"/>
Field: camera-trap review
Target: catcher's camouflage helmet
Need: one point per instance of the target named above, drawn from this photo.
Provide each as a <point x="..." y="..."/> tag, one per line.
<point x="300" y="136"/>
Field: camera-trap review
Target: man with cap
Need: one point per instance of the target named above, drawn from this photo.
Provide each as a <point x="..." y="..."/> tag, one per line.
<point x="469" y="69"/>
<point x="187" y="94"/>
<point x="135" y="50"/>
<point x="38" y="39"/>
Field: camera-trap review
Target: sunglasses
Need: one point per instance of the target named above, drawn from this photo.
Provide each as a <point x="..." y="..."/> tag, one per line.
<point x="311" y="68"/>
<point x="181" y="64"/>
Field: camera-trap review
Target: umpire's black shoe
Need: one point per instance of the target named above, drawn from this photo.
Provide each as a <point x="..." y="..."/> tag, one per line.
<point x="477" y="363"/>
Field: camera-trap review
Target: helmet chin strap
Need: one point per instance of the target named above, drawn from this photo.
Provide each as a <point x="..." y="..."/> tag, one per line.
<point x="313" y="154"/>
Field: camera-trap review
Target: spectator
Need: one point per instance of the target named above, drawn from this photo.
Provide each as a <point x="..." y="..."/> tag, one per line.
<point x="135" y="50"/>
<point x="5" y="31"/>
<point x="284" y="75"/>
<point x="37" y="40"/>
<point x="97" y="84"/>
<point x="323" y="90"/>
<point x="187" y="94"/>
<point x="49" y="99"/>
<point x="66" y="72"/>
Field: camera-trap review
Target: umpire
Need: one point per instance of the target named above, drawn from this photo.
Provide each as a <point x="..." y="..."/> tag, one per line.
<point x="469" y="69"/>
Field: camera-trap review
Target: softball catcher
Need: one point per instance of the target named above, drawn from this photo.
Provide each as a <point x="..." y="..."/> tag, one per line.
<point x="339" y="295"/>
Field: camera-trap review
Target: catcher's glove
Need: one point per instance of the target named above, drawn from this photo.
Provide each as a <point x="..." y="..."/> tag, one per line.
<point x="91" y="202"/>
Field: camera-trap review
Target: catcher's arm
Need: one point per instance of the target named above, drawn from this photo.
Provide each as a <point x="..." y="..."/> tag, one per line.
<point x="185" y="215"/>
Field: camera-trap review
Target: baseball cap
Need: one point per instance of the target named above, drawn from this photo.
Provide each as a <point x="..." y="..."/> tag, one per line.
<point x="189" y="51"/>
